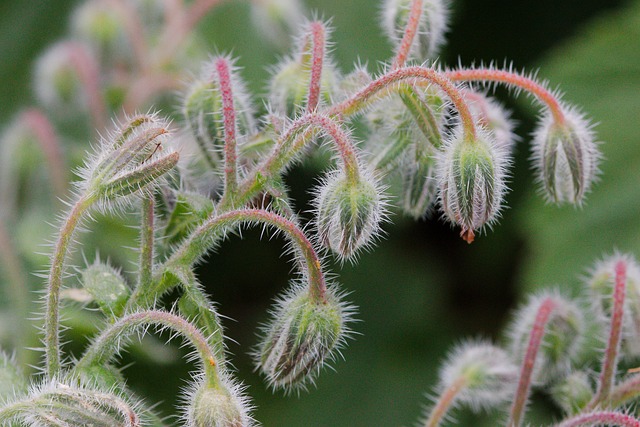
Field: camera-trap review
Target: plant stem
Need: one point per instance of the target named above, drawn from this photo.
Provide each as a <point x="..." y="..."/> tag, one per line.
<point x="317" y="62"/>
<point x="229" y="114"/>
<point x="54" y="284"/>
<point x="412" y="74"/>
<point x="146" y="241"/>
<point x="107" y="345"/>
<point x="409" y="34"/>
<point x="601" y="418"/>
<point x="445" y="401"/>
<point x="526" y="371"/>
<point x="609" y="364"/>
<point x="626" y="391"/>
<point x="512" y="79"/>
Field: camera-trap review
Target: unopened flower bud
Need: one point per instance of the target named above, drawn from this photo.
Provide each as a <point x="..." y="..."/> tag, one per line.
<point x="472" y="178"/>
<point x="349" y="213"/>
<point x="301" y="336"/>
<point x="562" y="339"/>
<point x="275" y="19"/>
<point x="601" y="283"/>
<point x="431" y="27"/>
<point x="494" y="118"/>
<point x="419" y="183"/>
<point x="107" y="287"/>
<point x="12" y="379"/>
<point x="485" y="373"/>
<point x="566" y="157"/>
<point x="222" y="406"/>
<point x="573" y="392"/>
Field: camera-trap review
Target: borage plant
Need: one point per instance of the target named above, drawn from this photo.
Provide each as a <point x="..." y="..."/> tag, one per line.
<point x="434" y="135"/>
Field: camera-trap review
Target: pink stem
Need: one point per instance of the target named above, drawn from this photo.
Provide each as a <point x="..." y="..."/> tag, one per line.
<point x="609" y="364"/>
<point x="228" y="111"/>
<point x="526" y="370"/>
<point x="530" y="85"/>
<point x="317" y="61"/>
<point x="89" y="74"/>
<point x="603" y="417"/>
<point x="409" y="35"/>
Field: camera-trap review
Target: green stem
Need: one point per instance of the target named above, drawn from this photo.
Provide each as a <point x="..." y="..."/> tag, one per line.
<point x="56" y="273"/>
<point x="146" y="242"/>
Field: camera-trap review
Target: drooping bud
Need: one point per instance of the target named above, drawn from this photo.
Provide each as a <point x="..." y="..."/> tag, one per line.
<point x="348" y="212"/>
<point x="472" y="177"/>
<point x="419" y="183"/>
<point x="562" y="340"/>
<point x="202" y="111"/>
<point x="107" y="287"/>
<point x="221" y="406"/>
<point x="431" y="27"/>
<point x="485" y="374"/>
<point x="573" y="392"/>
<point x="566" y="157"/>
<point x="493" y="117"/>
<point x="601" y="283"/>
<point x="276" y="19"/>
<point x="302" y="334"/>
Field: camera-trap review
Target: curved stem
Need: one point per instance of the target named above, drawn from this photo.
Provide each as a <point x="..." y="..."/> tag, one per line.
<point x="609" y="364"/>
<point x="526" y="371"/>
<point x="412" y="74"/>
<point x="512" y="79"/>
<point x="601" y="418"/>
<point x="317" y="62"/>
<point x="229" y="113"/>
<point x="56" y="272"/>
<point x="445" y="401"/>
<point x="409" y="34"/>
<point x="107" y="345"/>
<point x="626" y="391"/>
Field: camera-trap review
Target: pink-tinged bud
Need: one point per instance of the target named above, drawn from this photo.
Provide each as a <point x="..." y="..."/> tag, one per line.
<point x="303" y="334"/>
<point x="431" y="29"/>
<point x="348" y="213"/>
<point x="221" y="406"/>
<point x="562" y="340"/>
<point x="472" y="177"/>
<point x="601" y="282"/>
<point x="566" y="157"/>
<point x="486" y="374"/>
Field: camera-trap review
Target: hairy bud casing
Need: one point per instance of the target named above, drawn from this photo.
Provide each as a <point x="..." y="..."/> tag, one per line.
<point x="107" y="287"/>
<point x="221" y="406"/>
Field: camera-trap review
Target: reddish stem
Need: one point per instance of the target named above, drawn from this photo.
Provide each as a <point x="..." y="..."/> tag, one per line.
<point x="601" y="418"/>
<point x="513" y="79"/>
<point x="445" y="401"/>
<point x="409" y="35"/>
<point x="229" y="113"/>
<point x="317" y="61"/>
<point x="411" y="74"/>
<point x="609" y="364"/>
<point x="528" y="363"/>
<point x="627" y="390"/>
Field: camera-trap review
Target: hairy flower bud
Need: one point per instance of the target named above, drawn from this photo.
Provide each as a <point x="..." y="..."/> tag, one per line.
<point x="573" y="392"/>
<point x="601" y="282"/>
<point x="348" y="213"/>
<point x="431" y="27"/>
<point x="494" y="118"/>
<point x="485" y="373"/>
<point x="302" y="334"/>
<point x="222" y="406"/>
<point x="562" y="339"/>
<point x="12" y="379"/>
<point x="566" y="157"/>
<point x="472" y="178"/>
<point x="276" y="19"/>
<point x="107" y="287"/>
<point x="419" y="183"/>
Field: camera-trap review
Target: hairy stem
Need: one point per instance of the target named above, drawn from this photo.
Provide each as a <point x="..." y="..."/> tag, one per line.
<point x="229" y="113"/>
<point x="526" y="370"/>
<point x="146" y="241"/>
<point x="317" y="62"/>
<point x="625" y="392"/>
<point x="445" y="401"/>
<point x="601" y="418"/>
<point x="409" y="34"/>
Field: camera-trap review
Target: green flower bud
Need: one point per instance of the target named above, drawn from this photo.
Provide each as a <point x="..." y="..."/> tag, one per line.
<point x="419" y="183"/>
<point x="601" y="282"/>
<point x="573" y="392"/>
<point x="276" y="19"/>
<point x="562" y="341"/>
<point x="431" y="27"/>
<point x="12" y="379"/>
<point x="566" y="157"/>
<point x="493" y="117"/>
<point x="222" y="406"/>
<point x="107" y="287"/>
<point x="189" y="210"/>
<point x="348" y="213"/>
<point x="302" y="334"/>
<point x="472" y="178"/>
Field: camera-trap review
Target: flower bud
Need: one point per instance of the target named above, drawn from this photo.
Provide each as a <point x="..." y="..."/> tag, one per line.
<point x="419" y="184"/>
<point x="601" y="283"/>
<point x="573" y="392"/>
<point x="486" y="373"/>
<point x="189" y="210"/>
<point x="431" y="27"/>
<point x="494" y="118"/>
<point x="472" y="178"/>
<point x="107" y="287"/>
<point x="275" y="19"/>
<point x="222" y="406"/>
<point x="202" y="111"/>
<point x="562" y="341"/>
<point x="302" y="334"/>
<point x="348" y="213"/>
<point x="12" y="379"/>
<point x="566" y="157"/>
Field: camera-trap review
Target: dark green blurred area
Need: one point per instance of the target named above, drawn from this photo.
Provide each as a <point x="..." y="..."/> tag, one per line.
<point x="422" y="289"/>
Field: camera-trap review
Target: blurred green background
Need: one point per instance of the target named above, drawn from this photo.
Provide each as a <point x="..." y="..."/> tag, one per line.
<point x="422" y="289"/>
